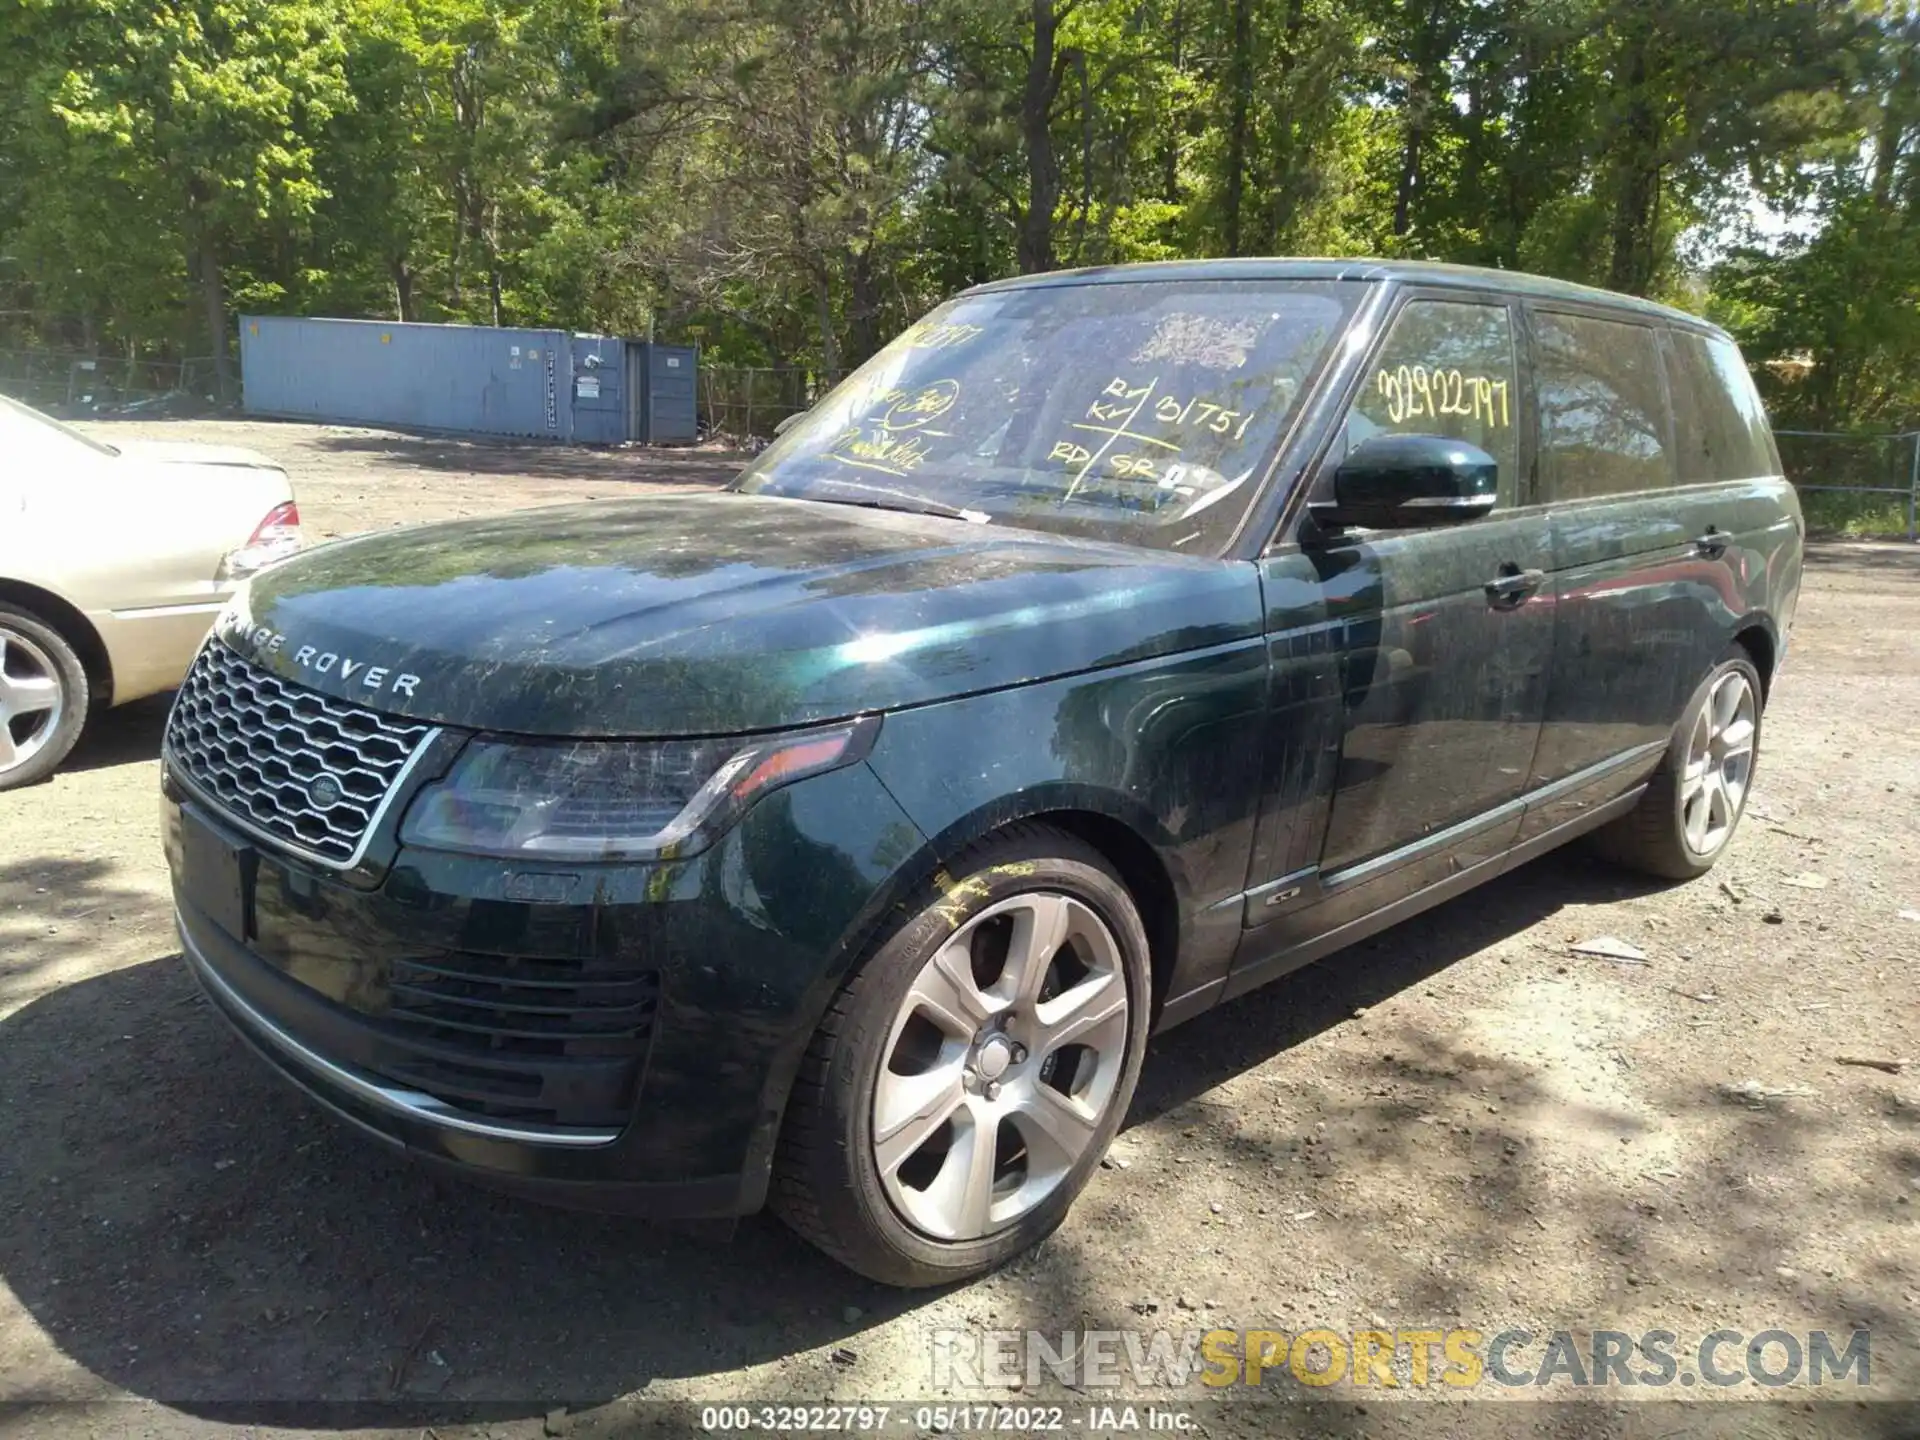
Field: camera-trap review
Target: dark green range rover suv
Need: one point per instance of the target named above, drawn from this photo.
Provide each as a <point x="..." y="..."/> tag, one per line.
<point x="1110" y="644"/>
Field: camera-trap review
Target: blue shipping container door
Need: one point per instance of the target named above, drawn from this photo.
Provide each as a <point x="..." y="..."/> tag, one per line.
<point x="469" y="378"/>
<point x="672" y="410"/>
<point x="601" y="407"/>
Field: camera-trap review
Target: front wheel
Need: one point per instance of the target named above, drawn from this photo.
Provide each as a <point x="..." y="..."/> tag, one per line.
<point x="1687" y="816"/>
<point x="971" y="1074"/>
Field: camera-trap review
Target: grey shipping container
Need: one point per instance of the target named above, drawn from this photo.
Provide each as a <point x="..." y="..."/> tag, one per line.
<point x="600" y="401"/>
<point x="467" y="378"/>
<point x="633" y="390"/>
<point x="667" y="396"/>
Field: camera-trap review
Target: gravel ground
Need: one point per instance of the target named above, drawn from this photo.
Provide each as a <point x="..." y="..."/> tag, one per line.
<point x="1461" y="1122"/>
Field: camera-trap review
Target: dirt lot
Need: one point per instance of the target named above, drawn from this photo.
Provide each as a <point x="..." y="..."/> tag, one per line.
<point x="1461" y="1122"/>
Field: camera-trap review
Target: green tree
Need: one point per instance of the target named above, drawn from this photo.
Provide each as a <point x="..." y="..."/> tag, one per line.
<point x="190" y="122"/>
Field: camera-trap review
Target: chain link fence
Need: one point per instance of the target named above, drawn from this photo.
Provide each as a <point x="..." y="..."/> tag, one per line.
<point x="73" y="383"/>
<point x="1855" y="484"/>
<point x="749" y="401"/>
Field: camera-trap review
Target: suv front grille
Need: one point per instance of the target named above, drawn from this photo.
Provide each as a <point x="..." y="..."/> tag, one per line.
<point x="556" y="1041"/>
<point x="257" y="745"/>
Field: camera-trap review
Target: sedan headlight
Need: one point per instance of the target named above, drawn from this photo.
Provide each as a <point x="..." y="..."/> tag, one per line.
<point x="586" y="800"/>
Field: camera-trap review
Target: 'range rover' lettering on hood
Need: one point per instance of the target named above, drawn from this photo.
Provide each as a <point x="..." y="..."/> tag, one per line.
<point x="240" y="633"/>
<point x="716" y="614"/>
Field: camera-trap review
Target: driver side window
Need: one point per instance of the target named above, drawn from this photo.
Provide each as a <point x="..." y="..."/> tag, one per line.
<point x="1446" y="368"/>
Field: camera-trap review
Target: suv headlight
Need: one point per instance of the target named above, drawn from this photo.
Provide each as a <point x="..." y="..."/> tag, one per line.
<point x="587" y="800"/>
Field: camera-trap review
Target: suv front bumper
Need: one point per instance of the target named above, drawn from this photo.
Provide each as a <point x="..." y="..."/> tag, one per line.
<point x="730" y="958"/>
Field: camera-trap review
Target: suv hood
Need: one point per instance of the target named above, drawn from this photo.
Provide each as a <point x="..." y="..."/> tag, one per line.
<point x="711" y="614"/>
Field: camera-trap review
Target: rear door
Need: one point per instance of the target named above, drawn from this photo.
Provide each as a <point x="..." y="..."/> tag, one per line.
<point x="1732" y="498"/>
<point x="1626" y="648"/>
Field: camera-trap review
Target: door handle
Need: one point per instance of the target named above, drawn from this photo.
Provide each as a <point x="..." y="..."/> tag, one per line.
<point x="1512" y="585"/>
<point x="1714" y="543"/>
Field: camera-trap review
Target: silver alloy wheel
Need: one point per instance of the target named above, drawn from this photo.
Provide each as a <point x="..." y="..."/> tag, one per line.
<point x="32" y="699"/>
<point x="1719" y="764"/>
<point x="1000" y="1065"/>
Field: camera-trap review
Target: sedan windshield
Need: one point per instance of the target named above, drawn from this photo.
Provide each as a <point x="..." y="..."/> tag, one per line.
<point x="1145" y="412"/>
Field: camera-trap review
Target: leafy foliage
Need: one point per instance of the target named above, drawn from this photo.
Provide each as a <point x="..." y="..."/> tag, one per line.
<point x="789" y="181"/>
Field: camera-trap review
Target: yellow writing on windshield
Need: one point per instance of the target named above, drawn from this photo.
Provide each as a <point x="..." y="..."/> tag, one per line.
<point x="1132" y="430"/>
<point x="894" y="436"/>
<point x="946" y="336"/>
<point x="897" y="455"/>
<point x="911" y="409"/>
<point x="1414" y="391"/>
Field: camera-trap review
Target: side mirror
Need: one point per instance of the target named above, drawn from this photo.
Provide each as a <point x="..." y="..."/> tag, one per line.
<point x="787" y="423"/>
<point x="1401" y="482"/>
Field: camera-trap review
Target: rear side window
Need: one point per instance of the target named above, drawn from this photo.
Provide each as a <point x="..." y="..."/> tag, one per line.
<point x="1603" y="408"/>
<point x="1720" y="429"/>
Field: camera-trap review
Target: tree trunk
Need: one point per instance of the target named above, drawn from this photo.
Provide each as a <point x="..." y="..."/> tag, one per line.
<point x="1170" y="154"/>
<point x="1896" y="109"/>
<point x="492" y="236"/>
<point x="1284" y="184"/>
<point x="1422" y="90"/>
<point x="1636" y="182"/>
<point x="456" y="257"/>
<point x="402" y="274"/>
<point x="1086" y="158"/>
<point x="1035" y="246"/>
<point x="1240" y="103"/>
<point x="1409" y="178"/>
<point x="863" y="304"/>
<point x="823" y="312"/>
<point x="213" y="299"/>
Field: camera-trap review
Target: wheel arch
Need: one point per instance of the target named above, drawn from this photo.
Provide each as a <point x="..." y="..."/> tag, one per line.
<point x="1756" y="636"/>
<point x="1103" y="820"/>
<point x="78" y="631"/>
<point x="1123" y="835"/>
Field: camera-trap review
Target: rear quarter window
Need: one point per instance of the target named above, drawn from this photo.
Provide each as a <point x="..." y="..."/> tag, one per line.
<point x="1720" y="427"/>
<point x="1603" y="407"/>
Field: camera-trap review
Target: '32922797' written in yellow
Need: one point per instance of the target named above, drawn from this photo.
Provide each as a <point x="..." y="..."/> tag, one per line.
<point x="1413" y="391"/>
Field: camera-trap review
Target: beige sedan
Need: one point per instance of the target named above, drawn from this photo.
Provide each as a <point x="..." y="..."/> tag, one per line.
<point x="114" y="561"/>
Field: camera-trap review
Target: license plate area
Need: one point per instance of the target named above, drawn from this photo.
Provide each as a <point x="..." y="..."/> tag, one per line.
<point x="218" y="873"/>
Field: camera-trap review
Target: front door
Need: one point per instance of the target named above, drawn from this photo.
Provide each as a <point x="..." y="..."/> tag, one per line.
<point x="1438" y="639"/>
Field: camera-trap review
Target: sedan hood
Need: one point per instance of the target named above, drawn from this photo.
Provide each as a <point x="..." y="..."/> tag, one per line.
<point x="713" y="614"/>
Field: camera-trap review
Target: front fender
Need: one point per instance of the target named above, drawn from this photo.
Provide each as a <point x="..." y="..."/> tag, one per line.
<point x="1170" y="747"/>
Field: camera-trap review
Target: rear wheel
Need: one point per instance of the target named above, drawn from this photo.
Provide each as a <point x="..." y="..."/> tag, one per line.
<point x="1695" y="799"/>
<point x="43" y="697"/>
<point x="969" y="1077"/>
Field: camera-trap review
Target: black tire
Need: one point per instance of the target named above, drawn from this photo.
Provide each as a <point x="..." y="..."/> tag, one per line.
<point x="826" y="1182"/>
<point x="1652" y="836"/>
<point x="30" y="646"/>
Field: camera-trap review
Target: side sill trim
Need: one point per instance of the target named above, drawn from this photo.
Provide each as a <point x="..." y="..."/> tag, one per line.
<point x="1239" y="982"/>
<point x="407" y="1104"/>
<point x="1486" y="819"/>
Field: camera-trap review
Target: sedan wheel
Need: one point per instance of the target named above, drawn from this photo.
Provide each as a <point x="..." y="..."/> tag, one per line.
<point x="43" y="698"/>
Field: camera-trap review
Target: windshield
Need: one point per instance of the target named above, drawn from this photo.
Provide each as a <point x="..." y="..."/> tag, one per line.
<point x="23" y="428"/>
<point x="1143" y="412"/>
